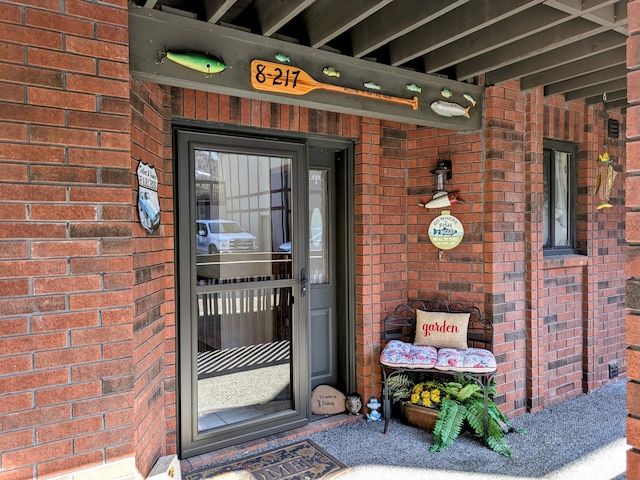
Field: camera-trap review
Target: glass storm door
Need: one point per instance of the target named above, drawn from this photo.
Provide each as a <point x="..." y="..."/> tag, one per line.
<point x="243" y="323"/>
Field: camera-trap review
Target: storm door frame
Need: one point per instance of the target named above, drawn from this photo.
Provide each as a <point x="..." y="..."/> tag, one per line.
<point x="190" y="440"/>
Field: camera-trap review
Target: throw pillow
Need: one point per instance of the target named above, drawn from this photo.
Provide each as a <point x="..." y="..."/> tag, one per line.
<point x="442" y="329"/>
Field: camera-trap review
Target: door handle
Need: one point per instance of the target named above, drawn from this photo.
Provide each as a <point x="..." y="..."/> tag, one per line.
<point x="303" y="282"/>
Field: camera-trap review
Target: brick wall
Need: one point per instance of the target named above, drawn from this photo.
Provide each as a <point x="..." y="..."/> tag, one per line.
<point x="154" y="287"/>
<point x="633" y="238"/>
<point x="66" y="337"/>
<point x="87" y="314"/>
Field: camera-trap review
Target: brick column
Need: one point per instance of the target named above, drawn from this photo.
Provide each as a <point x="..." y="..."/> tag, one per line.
<point x="504" y="224"/>
<point x="66" y="271"/>
<point x="534" y="141"/>
<point x="368" y="256"/>
<point x="633" y="239"/>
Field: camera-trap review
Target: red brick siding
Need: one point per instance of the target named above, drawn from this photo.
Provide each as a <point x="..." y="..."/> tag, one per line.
<point x="66" y="337"/>
<point x="154" y="312"/>
<point x="632" y="276"/>
<point x="87" y="314"/>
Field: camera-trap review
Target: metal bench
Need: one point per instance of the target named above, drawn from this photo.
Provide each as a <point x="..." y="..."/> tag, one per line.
<point x="401" y="325"/>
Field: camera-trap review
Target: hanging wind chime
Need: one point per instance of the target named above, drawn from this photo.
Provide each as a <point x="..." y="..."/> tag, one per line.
<point x="605" y="173"/>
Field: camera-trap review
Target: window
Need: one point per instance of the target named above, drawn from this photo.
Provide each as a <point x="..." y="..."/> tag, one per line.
<point x="559" y="209"/>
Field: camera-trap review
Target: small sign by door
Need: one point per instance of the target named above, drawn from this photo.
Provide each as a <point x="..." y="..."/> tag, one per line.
<point x="148" y="203"/>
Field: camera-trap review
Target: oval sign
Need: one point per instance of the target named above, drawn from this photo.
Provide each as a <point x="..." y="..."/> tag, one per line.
<point x="446" y="231"/>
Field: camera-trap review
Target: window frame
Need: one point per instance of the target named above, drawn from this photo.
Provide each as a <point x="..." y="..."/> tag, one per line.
<point x="550" y="147"/>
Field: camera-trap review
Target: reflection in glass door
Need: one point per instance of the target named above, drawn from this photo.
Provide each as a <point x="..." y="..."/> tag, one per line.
<point x="246" y="349"/>
<point x="243" y="214"/>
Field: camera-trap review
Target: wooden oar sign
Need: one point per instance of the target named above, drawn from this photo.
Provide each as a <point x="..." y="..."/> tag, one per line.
<point x="274" y="77"/>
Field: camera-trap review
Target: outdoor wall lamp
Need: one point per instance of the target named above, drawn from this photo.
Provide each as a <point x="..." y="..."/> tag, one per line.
<point x="441" y="174"/>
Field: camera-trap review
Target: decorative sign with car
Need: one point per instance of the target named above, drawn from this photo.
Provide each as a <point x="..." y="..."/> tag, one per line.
<point x="148" y="203"/>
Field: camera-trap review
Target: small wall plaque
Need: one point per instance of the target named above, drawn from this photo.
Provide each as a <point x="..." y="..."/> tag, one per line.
<point x="148" y="203"/>
<point x="446" y="231"/>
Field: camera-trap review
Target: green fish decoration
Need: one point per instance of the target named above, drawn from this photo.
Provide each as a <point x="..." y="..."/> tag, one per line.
<point x="281" y="57"/>
<point x="373" y="86"/>
<point x="331" y="72"/>
<point x="469" y="99"/>
<point x="412" y="87"/>
<point x="198" y="61"/>
<point x="446" y="93"/>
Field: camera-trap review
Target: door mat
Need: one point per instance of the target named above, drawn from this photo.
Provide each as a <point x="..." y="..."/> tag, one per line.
<point x="302" y="460"/>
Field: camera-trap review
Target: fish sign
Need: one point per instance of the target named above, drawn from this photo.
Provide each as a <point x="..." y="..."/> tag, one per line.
<point x="446" y="231"/>
<point x="289" y="80"/>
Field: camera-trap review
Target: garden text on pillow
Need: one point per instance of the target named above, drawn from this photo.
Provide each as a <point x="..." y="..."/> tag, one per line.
<point x="442" y="329"/>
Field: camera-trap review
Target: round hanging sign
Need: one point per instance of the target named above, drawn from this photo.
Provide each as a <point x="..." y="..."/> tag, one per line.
<point x="446" y="231"/>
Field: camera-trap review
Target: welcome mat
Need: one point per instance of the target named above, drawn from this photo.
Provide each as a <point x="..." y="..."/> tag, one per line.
<point x="298" y="461"/>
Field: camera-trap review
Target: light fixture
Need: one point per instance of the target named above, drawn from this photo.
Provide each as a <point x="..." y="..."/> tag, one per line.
<point x="441" y="174"/>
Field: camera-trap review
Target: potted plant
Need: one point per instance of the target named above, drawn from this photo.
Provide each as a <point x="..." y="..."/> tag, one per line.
<point x="458" y="403"/>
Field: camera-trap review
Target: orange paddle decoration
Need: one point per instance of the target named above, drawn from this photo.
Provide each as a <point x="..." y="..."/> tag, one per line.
<point x="275" y="77"/>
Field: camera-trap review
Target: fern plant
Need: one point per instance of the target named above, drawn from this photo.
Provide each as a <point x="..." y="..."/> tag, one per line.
<point x="462" y="403"/>
<point x="465" y="402"/>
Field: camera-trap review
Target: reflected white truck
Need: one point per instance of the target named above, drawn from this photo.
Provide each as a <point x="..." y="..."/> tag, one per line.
<point x="223" y="236"/>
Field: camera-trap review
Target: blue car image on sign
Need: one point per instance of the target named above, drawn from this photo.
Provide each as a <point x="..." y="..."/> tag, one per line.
<point x="148" y="203"/>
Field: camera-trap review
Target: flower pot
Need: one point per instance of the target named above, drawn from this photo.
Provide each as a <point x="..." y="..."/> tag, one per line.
<point x="421" y="417"/>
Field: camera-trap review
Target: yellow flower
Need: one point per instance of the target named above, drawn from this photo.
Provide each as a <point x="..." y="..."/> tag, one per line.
<point x="415" y="398"/>
<point x="435" y="395"/>
<point x="425" y="394"/>
<point x="426" y="402"/>
<point x="417" y="389"/>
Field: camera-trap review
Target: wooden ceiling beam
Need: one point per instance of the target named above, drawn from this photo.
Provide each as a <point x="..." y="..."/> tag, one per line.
<point x="469" y="18"/>
<point x="580" y="67"/>
<point x="611" y="96"/>
<point x="622" y="103"/>
<point x="588" y="80"/>
<point x="272" y="16"/>
<point x="327" y="19"/>
<point x="545" y="41"/>
<point x="585" y="48"/>
<point x="520" y="25"/>
<point x="392" y="22"/>
<point x="214" y="10"/>
<point x="615" y="84"/>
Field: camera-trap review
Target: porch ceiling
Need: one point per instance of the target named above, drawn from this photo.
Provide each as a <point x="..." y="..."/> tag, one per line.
<point x="574" y="47"/>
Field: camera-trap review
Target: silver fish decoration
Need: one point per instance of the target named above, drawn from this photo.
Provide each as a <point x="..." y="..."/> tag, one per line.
<point x="281" y="57"/>
<point x="331" y="72"/>
<point x="412" y="87"/>
<point x="447" y="109"/>
<point x="446" y="93"/>
<point x="469" y="99"/>
<point x="373" y="86"/>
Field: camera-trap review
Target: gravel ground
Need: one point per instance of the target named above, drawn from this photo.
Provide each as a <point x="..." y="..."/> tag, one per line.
<point x="577" y="439"/>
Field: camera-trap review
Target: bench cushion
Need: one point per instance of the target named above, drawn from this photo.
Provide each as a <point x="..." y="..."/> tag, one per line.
<point x="476" y="360"/>
<point x="400" y="354"/>
<point x="406" y="355"/>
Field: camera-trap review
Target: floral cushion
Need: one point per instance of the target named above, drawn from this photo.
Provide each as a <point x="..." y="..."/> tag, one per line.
<point x="476" y="360"/>
<point x="396" y="354"/>
<point x="407" y="355"/>
<point x="424" y="356"/>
